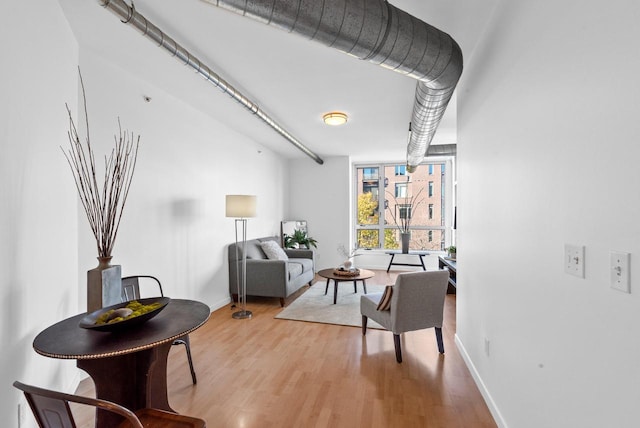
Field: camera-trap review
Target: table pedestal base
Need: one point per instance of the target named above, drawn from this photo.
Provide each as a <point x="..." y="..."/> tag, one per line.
<point x="136" y="380"/>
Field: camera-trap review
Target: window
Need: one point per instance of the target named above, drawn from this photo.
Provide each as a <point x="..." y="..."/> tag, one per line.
<point x="370" y="173"/>
<point x="370" y="188"/>
<point x="404" y="211"/>
<point x="386" y="197"/>
<point x="401" y="190"/>
<point x="368" y="195"/>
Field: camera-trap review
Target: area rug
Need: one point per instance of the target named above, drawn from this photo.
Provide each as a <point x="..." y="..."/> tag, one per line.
<point x="314" y="306"/>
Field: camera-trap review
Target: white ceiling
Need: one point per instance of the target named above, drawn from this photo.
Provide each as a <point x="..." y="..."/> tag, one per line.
<point x="293" y="79"/>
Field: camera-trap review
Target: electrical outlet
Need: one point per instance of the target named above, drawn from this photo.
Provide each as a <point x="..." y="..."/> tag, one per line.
<point x="620" y="277"/>
<point x="574" y="260"/>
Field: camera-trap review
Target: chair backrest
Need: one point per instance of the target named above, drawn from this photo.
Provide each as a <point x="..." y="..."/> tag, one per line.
<point x="131" y="286"/>
<point x="51" y="408"/>
<point x="417" y="301"/>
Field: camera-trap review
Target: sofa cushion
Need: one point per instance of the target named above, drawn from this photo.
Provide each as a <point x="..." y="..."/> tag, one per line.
<point x="294" y="269"/>
<point x="307" y="264"/>
<point x="253" y="250"/>
<point x="273" y="250"/>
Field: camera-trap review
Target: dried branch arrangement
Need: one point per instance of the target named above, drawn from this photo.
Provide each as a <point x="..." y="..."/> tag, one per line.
<point x="411" y="202"/>
<point x="103" y="206"/>
<point x="342" y="250"/>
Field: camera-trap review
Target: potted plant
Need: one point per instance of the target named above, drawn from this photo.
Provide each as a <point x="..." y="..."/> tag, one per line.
<point x="299" y="239"/>
<point x="402" y="217"/>
<point x="451" y="250"/>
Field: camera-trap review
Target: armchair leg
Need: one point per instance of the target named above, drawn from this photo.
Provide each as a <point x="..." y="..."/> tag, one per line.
<point x="282" y="302"/>
<point x="396" y="342"/>
<point x="439" y="339"/>
<point x="364" y="325"/>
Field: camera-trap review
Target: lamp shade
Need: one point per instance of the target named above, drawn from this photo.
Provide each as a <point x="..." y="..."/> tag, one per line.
<point x="241" y="206"/>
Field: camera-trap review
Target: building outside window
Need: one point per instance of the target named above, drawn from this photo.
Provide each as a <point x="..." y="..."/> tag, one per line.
<point x="370" y="174"/>
<point x="382" y="185"/>
<point x="401" y="190"/>
<point x="404" y="211"/>
<point x="401" y="170"/>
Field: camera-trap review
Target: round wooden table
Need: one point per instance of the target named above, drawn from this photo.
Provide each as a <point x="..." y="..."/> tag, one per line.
<point x="330" y="275"/>
<point x="128" y="367"/>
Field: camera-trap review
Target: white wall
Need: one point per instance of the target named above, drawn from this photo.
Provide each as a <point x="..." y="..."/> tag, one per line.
<point x="548" y="155"/>
<point x="174" y="225"/>
<point x="320" y="195"/>
<point x="38" y="234"/>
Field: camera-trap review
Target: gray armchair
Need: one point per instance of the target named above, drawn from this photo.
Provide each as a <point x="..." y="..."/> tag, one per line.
<point x="417" y="302"/>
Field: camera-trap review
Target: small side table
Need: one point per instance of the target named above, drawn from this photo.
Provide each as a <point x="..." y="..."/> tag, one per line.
<point x="452" y="266"/>
<point x="328" y="273"/>
<point x="420" y="255"/>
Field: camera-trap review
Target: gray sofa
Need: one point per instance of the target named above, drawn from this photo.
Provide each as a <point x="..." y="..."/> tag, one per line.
<point x="268" y="277"/>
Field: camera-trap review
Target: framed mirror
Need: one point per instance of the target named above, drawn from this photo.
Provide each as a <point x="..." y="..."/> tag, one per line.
<point x="288" y="227"/>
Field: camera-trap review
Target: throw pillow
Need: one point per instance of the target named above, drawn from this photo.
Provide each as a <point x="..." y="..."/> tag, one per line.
<point x="385" y="301"/>
<point x="273" y="250"/>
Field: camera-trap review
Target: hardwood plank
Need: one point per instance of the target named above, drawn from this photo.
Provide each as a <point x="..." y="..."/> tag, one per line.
<point x="267" y="372"/>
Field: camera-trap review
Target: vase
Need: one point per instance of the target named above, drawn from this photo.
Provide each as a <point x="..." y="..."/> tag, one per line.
<point x="405" y="238"/>
<point x="104" y="285"/>
<point x="347" y="264"/>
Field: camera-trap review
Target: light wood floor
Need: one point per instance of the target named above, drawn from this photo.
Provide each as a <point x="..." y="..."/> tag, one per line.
<point x="266" y="372"/>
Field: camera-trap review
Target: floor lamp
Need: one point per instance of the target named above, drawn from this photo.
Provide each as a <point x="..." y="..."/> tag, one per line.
<point x="241" y="207"/>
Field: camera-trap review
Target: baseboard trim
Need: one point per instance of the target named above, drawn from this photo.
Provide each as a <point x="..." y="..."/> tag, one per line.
<point x="220" y="304"/>
<point x="495" y="412"/>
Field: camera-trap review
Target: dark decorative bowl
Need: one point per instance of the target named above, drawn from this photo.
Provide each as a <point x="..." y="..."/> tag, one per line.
<point x="89" y="321"/>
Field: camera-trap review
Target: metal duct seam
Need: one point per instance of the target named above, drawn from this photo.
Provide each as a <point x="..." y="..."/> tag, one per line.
<point x="130" y="16"/>
<point x="442" y="150"/>
<point x="381" y="33"/>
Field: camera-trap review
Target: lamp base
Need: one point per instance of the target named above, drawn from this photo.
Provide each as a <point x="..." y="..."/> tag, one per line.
<point x="240" y="315"/>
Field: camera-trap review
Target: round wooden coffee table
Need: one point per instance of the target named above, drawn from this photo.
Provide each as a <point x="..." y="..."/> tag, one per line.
<point x="330" y="275"/>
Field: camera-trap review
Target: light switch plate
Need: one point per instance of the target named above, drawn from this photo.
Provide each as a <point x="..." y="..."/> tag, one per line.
<point x="620" y="275"/>
<point x="574" y="260"/>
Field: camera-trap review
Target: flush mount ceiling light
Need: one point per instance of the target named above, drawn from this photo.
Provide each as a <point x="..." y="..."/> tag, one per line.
<point x="335" y="118"/>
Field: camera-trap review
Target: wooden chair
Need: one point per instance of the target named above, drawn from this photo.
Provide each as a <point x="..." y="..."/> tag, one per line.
<point x="417" y="302"/>
<point x="131" y="291"/>
<point x="51" y="410"/>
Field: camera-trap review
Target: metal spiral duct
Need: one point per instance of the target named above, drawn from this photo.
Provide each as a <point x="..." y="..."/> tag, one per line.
<point x="380" y="33"/>
<point x="129" y="15"/>
<point x="442" y="150"/>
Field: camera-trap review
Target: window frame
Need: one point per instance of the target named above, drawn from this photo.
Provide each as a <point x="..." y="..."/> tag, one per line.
<point x="447" y="207"/>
